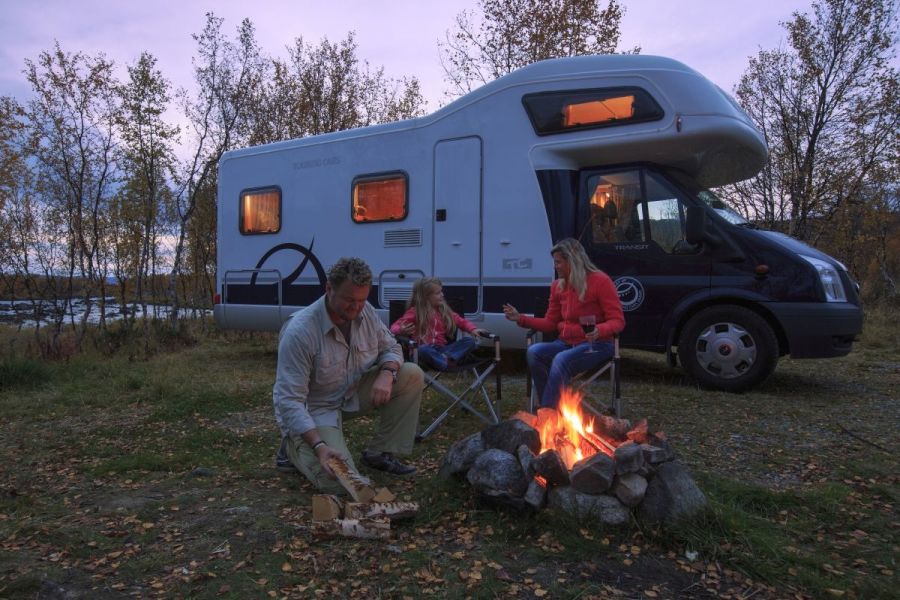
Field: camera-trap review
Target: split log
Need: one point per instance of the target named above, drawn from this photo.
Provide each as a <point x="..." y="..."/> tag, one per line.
<point x="384" y="495"/>
<point x="391" y="510"/>
<point x="359" y="487"/>
<point x="326" y="507"/>
<point x="365" y="529"/>
<point x="599" y="443"/>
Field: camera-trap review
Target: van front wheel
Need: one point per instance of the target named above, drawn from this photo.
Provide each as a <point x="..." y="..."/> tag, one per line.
<point x="728" y="348"/>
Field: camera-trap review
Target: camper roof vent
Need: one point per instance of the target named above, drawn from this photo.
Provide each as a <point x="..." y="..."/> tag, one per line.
<point x="402" y="238"/>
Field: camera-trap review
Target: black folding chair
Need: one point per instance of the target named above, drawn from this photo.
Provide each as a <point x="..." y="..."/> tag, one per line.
<point x="583" y="382"/>
<point x="480" y="367"/>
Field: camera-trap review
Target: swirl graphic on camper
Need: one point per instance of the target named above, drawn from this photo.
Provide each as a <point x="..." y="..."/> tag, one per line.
<point x="308" y="258"/>
<point x="631" y="293"/>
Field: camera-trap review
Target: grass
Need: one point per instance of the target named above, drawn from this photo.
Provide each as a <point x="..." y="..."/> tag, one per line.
<point x="129" y="475"/>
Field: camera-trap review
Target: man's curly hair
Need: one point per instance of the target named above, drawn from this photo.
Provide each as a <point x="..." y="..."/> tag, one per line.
<point x="349" y="268"/>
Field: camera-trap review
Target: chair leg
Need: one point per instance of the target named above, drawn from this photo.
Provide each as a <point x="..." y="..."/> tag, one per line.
<point x="461" y="399"/>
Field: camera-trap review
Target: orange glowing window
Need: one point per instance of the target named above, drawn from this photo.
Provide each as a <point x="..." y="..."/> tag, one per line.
<point x="598" y="111"/>
<point x="380" y="198"/>
<point x="575" y="110"/>
<point x="260" y="211"/>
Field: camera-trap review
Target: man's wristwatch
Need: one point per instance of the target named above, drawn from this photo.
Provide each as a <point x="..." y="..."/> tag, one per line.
<point x="392" y="371"/>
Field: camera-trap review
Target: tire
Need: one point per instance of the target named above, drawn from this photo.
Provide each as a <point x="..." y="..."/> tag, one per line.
<point x="729" y="348"/>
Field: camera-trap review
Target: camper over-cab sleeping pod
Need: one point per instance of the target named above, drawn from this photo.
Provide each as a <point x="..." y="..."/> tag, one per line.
<point x="617" y="151"/>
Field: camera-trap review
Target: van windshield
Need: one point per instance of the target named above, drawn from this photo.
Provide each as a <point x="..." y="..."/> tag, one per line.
<point x="722" y="209"/>
<point x="710" y="199"/>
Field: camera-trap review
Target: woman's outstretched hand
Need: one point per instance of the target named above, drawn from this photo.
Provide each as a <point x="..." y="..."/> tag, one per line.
<point x="511" y="312"/>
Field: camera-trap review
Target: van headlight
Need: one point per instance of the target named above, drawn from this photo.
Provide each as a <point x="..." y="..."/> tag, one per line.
<point x="830" y="278"/>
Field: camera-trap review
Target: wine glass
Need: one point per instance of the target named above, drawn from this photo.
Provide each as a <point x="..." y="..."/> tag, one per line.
<point x="588" y="323"/>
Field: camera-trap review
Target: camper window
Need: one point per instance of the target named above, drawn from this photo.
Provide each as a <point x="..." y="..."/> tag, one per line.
<point x="666" y="216"/>
<point x="380" y="197"/>
<point x="260" y="211"/>
<point x="574" y="110"/>
<point x="615" y="207"/>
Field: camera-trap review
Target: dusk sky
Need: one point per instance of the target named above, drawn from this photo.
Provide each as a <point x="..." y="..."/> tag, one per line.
<point x="716" y="37"/>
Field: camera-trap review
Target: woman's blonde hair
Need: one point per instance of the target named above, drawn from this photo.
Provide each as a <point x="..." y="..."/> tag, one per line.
<point x="579" y="265"/>
<point x="421" y="290"/>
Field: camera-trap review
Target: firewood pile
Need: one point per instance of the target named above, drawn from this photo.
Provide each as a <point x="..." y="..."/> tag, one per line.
<point x="368" y="516"/>
<point x="610" y="471"/>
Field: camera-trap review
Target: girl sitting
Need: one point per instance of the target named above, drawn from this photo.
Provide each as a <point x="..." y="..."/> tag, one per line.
<point x="430" y="322"/>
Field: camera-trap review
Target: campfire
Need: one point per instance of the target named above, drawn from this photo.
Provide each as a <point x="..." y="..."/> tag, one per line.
<point x="567" y="430"/>
<point x="579" y="463"/>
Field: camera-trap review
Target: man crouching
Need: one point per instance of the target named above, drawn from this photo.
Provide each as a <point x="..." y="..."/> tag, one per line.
<point x="336" y="360"/>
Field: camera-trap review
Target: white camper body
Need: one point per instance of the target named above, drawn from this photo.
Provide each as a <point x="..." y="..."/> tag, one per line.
<point x="476" y="215"/>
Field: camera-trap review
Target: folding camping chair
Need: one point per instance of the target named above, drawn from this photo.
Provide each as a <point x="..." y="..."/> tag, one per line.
<point x="583" y="382"/>
<point x="479" y="367"/>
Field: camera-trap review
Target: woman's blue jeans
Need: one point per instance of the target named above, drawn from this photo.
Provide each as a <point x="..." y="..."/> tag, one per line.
<point x="553" y="365"/>
<point x="436" y="356"/>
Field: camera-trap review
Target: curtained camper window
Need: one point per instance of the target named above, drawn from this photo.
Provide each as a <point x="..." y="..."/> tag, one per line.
<point x="260" y="211"/>
<point x="381" y="197"/>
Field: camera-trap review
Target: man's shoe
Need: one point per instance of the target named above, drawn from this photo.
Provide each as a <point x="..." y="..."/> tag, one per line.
<point x="282" y="461"/>
<point x="387" y="462"/>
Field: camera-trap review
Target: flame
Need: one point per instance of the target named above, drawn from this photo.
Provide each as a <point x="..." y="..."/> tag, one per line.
<point x="566" y="429"/>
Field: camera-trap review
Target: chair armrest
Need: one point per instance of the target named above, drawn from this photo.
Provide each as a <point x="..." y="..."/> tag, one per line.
<point x="495" y="339"/>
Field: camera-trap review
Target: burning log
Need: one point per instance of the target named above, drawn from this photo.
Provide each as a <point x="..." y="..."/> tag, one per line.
<point x="390" y="510"/>
<point x="567" y="450"/>
<point x="366" y="529"/>
<point x="599" y="444"/>
<point x="359" y="487"/>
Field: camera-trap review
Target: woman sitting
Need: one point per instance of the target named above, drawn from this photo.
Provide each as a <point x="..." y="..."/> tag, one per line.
<point x="431" y="323"/>
<point x="584" y="310"/>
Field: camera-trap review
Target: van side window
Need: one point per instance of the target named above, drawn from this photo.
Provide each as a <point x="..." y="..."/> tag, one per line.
<point x="666" y="216"/>
<point x="260" y="211"/>
<point x="574" y="110"/>
<point x="381" y="197"/>
<point x="615" y="204"/>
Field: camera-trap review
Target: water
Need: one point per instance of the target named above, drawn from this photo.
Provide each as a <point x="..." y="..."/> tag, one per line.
<point x="21" y="312"/>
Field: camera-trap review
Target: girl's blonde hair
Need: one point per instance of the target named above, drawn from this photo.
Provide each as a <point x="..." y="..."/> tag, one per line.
<point x="579" y="265"/>
<point x="421" y="290"/>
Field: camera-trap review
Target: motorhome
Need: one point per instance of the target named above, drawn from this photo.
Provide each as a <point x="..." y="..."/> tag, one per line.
<point x="618" y="151"/>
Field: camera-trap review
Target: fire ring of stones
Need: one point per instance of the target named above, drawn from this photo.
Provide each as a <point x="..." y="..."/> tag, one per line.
<point x="625" y="469"/>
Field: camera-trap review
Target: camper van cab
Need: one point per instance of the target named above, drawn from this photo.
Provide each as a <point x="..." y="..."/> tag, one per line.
<point x="617" y="151"/>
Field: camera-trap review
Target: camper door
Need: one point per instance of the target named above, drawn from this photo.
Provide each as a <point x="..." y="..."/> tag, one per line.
<point x="457" y="220"/>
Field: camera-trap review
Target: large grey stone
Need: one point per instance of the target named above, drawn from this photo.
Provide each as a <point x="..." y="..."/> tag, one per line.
<point x="606" y="508"/>
<point x="630" y="489"/>
<point x="511" y="434"/>
<point x="629" y="458"/>
<point x="671" y="495"/>
<point x="461" y="455"/>
<point x="496" y="472"/>
<point x="594" y="474"/>
<point x="551" y="467"/>
<point x="655" y="455"/>
<point x="536" y="495"/>
<point x="526" y="457"/>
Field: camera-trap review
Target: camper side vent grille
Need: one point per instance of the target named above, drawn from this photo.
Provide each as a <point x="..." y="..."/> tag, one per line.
<point x="396" y="293"/>
<point x="402" y="238"/>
